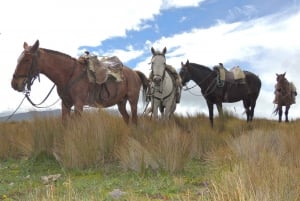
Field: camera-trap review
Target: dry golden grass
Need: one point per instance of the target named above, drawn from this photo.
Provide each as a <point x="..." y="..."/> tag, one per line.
<point x="165" y="146"/>
<point x="253" y="162"/>
<point x="259" y="164"/>
<point x="16" y="140"/>
<point x="90" y="140"/>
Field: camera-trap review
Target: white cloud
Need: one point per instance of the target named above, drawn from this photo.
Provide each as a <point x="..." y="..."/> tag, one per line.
<point x="236" y="12"/>
<point x="166" y="4"/>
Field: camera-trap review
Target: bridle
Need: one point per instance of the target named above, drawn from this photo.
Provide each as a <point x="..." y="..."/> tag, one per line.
<point x="162" y="77"/>
<point x="32" y="73"/>
<point x="164" y="72"/>
<point x="211" y="87"/>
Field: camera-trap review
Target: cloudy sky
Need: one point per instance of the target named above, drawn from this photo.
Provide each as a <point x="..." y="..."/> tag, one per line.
<point x="259" y="36"/>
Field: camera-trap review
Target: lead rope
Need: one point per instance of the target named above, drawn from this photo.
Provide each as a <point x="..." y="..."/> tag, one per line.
<point x="12" y="114"/>
<point x="32" y="103"/>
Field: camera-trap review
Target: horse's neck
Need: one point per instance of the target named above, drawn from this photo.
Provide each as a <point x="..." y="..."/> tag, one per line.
<point x="201" y="78"/>
<point x="55" y="67"/>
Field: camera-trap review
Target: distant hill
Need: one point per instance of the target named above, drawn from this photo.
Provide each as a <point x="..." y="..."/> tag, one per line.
<point x="30" y="115"/>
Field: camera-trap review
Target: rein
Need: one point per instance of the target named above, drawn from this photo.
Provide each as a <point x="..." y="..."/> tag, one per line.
<point x="27" y="94"/>
<point x="208" y="89"/>
<point x="14" y="112"/>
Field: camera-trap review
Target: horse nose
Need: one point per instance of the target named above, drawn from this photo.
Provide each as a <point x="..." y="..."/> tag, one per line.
<point x="13" y="84"/>
<point x="157" y="79"/>
<point x="17" y="86"/>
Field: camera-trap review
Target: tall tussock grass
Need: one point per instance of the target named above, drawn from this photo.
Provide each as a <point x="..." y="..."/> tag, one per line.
<point x="16" y="140"/>
<point x="264" y="165"/>
<point x="90" y="140"/>
<point x="165" y="146"/>
<point x="245" y="161"/>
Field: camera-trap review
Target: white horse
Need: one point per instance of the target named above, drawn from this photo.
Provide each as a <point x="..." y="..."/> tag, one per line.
<point x="162" y="86"/>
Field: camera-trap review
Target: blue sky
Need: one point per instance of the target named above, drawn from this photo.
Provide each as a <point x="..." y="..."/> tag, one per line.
<point x="258" y="35"/>
<point x="178" y="20"/>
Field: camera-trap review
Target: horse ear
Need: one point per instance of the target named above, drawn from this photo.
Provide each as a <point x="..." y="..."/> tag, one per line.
<point x="284" y="74"/>
<point x="152" y="50"/>
<point x="25" y="45"/>
<point x="164" y="50"/>
<point x="35" y="46"/>
<point x="187" y="62"/>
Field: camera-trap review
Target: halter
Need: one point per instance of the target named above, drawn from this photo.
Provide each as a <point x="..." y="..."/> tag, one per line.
<point x="211" y="87"/>
<point x="33" y="72"/>
<point x="164" y="72"/>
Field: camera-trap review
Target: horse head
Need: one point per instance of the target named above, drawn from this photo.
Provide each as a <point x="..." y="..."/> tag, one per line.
<point x="184" y="73"/>
<point x="280" y="77"/>
<point x="27" y="69"/>
<point x="158" y="65"/>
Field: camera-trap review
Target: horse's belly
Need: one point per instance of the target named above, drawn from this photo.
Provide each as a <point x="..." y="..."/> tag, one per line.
<point x="110" y="95"/>
<point x="235" y="93"/>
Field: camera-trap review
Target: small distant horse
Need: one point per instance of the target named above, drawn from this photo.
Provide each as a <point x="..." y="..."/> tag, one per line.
<point x="214" y="93"/>
<point x="285" y="93"/>
<point x="73" y="86"/>
<point x="162" y="86"/>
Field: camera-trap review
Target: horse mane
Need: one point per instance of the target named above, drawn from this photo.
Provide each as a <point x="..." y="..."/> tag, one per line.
<point x="200" y="67"/>
<point x="57" y="53"/>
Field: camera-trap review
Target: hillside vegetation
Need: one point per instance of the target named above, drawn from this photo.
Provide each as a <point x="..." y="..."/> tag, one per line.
<point x="98" y="157"/>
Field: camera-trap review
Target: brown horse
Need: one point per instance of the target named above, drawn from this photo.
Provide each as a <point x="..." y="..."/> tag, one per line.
<point x="216" y="92"/>
<point x="285" y="93"/>
<point x="73" y="86"/>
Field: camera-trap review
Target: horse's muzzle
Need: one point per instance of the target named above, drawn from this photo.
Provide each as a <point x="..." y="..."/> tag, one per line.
<point x="157" y="79"/>
<point x="18" y="84"/>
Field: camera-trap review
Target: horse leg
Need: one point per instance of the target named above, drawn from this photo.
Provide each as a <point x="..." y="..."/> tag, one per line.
<point x="287" y="113"/>
<point x="65" y="112"/>
<point x="133" y="107"/>
<point x="252" y="110"/>
<point x="211" y="113"/>
<point x="247" y="109"/>
<point x="169" y="109"/>
<point x="279" y="113"/>
<point x="78" y="109"/>
<point x="220" y="110"/>
<point x="122" y="110"/>
<point x="155" y="108"/>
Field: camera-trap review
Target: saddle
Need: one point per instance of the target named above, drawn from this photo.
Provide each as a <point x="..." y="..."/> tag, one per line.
<point x="105" y="69"/>
<point x="234" y="75"/>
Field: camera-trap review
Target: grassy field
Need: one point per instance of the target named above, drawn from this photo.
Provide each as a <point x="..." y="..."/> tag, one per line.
<point x="98" y="157"/>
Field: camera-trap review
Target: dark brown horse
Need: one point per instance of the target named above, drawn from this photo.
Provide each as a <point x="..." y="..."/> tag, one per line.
<point x="215" y="92"/>
<point x="73" y="86"/>
<point x="285" y="93"/>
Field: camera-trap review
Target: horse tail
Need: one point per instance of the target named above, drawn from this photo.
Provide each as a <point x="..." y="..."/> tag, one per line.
<point x="145" y="82"/>
<point x="275" y="112"/>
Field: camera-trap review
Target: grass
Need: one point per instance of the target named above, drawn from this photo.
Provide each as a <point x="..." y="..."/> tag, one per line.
<point x="182" y="159"/>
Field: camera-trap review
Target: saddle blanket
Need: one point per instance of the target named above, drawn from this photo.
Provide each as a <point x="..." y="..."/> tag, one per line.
<point x="99" y="71"/>
<point x="235" y="73"/>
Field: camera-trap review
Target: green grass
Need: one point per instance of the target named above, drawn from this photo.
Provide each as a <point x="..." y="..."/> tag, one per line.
<point x="21" y="180"/>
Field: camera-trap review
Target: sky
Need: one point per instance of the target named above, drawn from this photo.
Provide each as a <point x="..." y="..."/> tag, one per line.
<point x="259" y="36"/>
